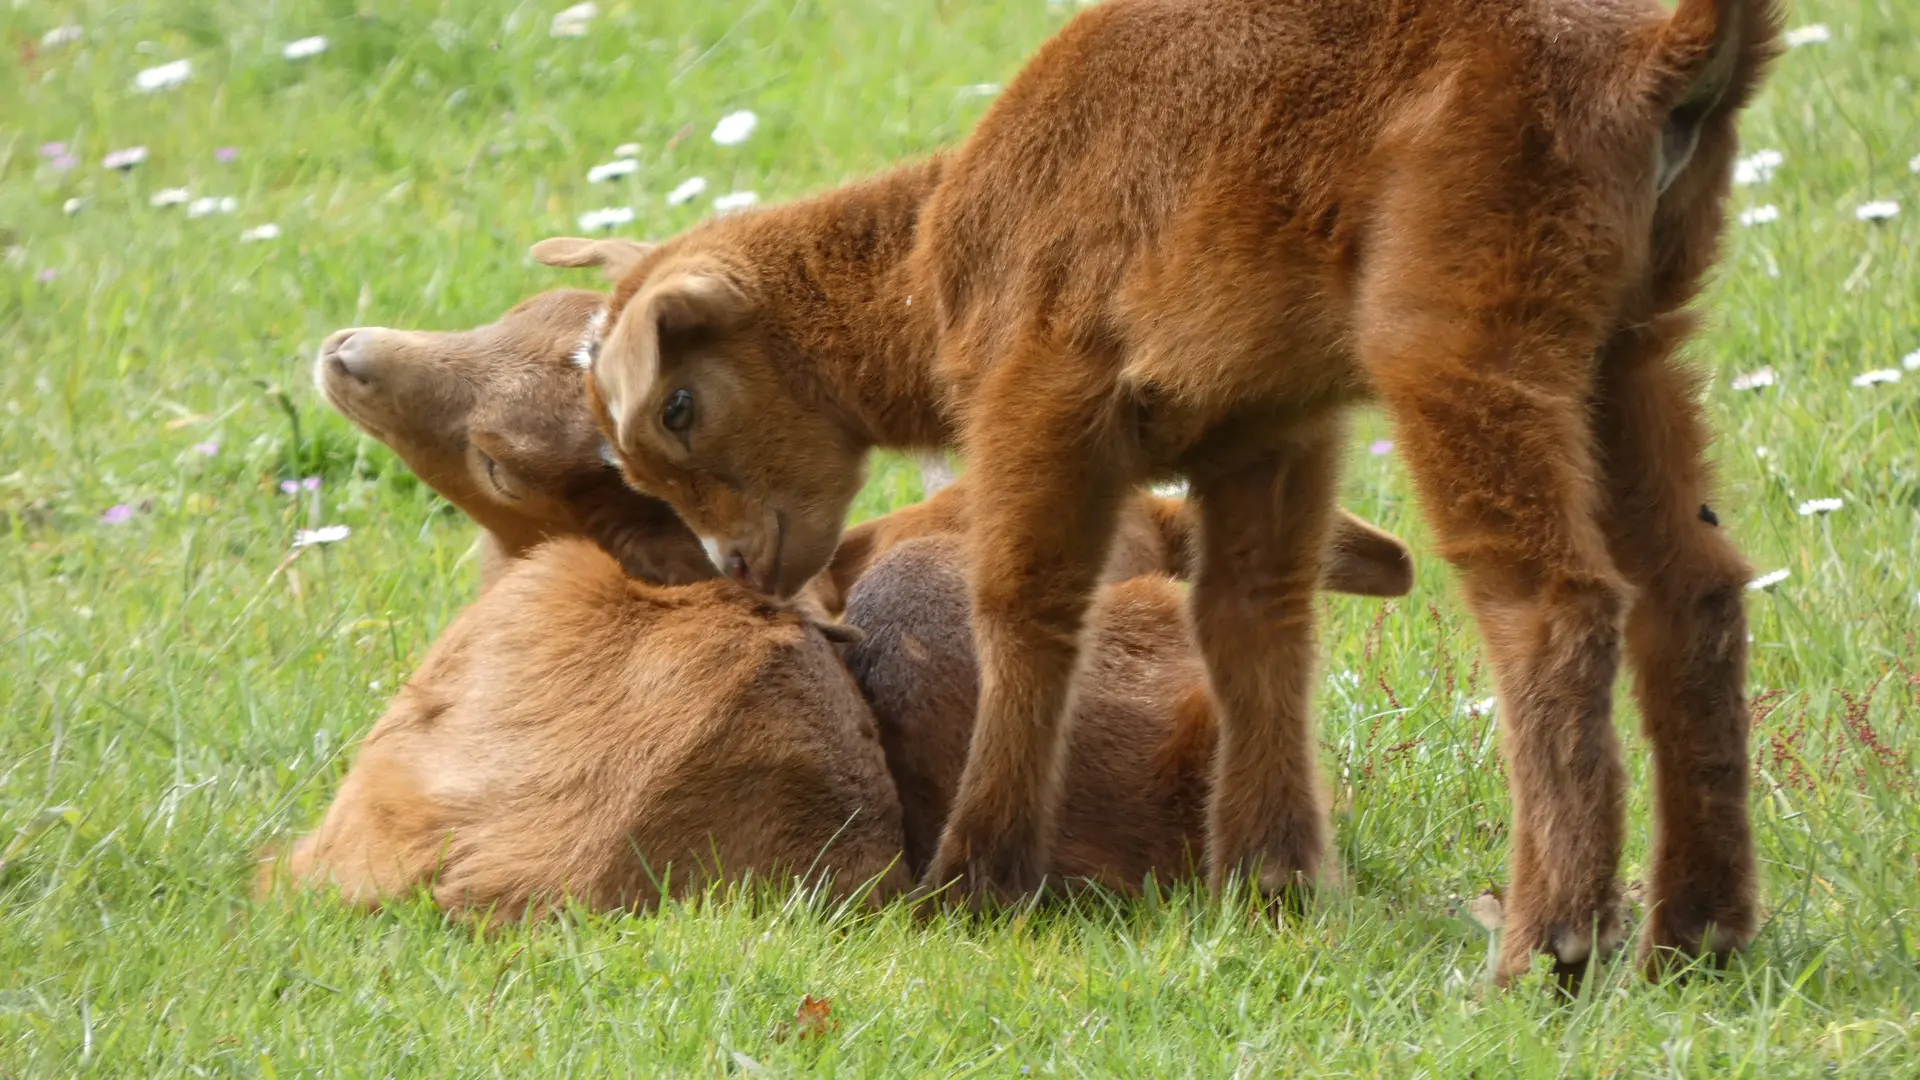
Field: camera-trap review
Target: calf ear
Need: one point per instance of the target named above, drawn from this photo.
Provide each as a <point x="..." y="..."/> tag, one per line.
<point x="614" y="257"/>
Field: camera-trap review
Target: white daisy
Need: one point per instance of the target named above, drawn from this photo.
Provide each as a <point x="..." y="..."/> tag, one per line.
<point x="981" y="89"/>
<point x="1768" y="581"/>
<point x="1757" y="167"/>
<point x="627" y="149"/>
<point x="1483" y="707"/>
<point x="1874" y="378"/>
<point x="607" y="218"/>
<point x="738" y="200"/>
<point x="61" y="35"/>
<point x="125" y="159"/>
<point x="1911" y="361"/>
<point x="325" y="534"/>
<point x="164" y="77"/>
<point x="225" y="204"/>
<point x="268" y="231"/>
<point x="1913" y="164"/>
<point x="733" y="128"/>
<point x="1761" y="451"/>
<point x="1755" y="380"/>
<point x="1820" y="506"/>
<point x="688" y="190"/>
<point x="72" y="206"/>
<point x="1760" y="215"/>
<point x="173" y="196"/>
<point x="1810" y="34"/>
<point x="1878" y="210"/>
<point x="612" y="170"/>
<point x="305" y="47"/>
<point x="574" y="22"/>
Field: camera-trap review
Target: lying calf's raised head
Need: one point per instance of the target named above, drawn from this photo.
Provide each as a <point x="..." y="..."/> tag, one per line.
<point x="496" y="420"/>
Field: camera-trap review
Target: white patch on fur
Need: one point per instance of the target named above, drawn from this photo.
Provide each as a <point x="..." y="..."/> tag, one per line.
<point x="607" y="456"/>
<point x="713" y="553"/>
<point x="583" y="352"/>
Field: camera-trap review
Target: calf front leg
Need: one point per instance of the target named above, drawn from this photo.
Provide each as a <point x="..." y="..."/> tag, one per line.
<point x="1686" y="638"/>
<point x="1263" y="538"/>
<point x="1041" y="514"/>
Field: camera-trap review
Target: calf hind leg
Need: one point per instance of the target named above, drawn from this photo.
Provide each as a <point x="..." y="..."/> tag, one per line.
<point x="1501" y="454"/>
<point x="1686" y="638"/>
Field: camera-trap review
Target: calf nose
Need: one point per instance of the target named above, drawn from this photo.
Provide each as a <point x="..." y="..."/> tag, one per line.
<point x="345" y="351"/>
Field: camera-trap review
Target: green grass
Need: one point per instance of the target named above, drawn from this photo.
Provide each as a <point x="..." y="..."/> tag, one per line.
<point x="168" y="703"/>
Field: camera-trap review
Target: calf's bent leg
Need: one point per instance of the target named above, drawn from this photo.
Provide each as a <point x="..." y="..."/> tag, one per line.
<point x="1686" y="639"/>
<point x="1044" y="503"/>
<point x="1263" y="538"/>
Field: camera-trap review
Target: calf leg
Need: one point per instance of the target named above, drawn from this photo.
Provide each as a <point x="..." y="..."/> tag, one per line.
<point x="1686" y="638"/>
<point x="1494" y="424"/>
<point x="1042" y="509"/>
<point x="1263" y="538"/>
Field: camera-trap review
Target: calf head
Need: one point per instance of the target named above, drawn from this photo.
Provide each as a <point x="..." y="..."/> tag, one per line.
<point x="700" y="408"/>
<point x="496" y="420"/>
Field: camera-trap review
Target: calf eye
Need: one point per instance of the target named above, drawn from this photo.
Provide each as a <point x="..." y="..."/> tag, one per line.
<point x="678" y="413"/>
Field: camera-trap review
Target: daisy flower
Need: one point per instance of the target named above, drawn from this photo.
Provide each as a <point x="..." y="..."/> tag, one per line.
<point x="164" y="77"/>
<point x="1755" y="380"/>
<point x="269" y="231"/>
<point x="1913" y="164"/>
<point x="325" y="534"/>
<point x="733" y="128"/>
<point x="1760" y="215"/>
<point x="173" y="196"/>
<point x="1810" y="34"/>
<point x="61" y="35"/>
<point x="614" y="169"/>
<point x="1878" y="210"/>
<point x="688" y="190"/>
<point x="1483" y="707"/>
<point x="627" y="149"/>
<point x="1820" y="506"/>
<point x="574" y="22"/>
<point x="295" y="487"/>
<point x="738" y="200"/>
<point x="1874" y="378"/>
<point x="124" y="160"/>
<point x="1911" y="361"/>
<point x="225" y="204"/>
<point x="607" y="218"/>
<point x="304" y="48"/>
<point x="1757" y="167"/>
<point x="983" y="89"/>
<point x="72" y="206"/>
<point x="1768" y="581"/>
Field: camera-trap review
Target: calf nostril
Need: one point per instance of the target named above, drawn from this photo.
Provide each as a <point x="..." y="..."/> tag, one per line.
<point x="346" y="352"/>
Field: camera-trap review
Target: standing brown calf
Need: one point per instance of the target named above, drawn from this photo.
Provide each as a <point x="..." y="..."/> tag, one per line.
<point x="1187" y="239"/>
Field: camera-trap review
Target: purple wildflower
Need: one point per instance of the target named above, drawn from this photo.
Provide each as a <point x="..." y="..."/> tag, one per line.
<point x="206" y="449"/>
<point x="117" y="515"/>
<point x="47" y="275"/>
<point x="64" y="162"/>
<point x="1381" y="447"/>
<point x="52" y="149"/>
<point x="226" y="153"/>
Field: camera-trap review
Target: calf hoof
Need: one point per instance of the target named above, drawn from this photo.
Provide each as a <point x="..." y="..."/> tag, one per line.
<point x="1675" y="940"/>
<point x="1572" y="950"/>
<point x="978" y="885"/>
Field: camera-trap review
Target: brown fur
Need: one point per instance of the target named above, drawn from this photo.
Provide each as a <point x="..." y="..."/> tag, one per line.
<point x="1133" y="801"/>
<point x="1186" y="240"/>
<point x="578" y="733"/>
<point x="494" y="419"/>
<point x="1153" y="536"/>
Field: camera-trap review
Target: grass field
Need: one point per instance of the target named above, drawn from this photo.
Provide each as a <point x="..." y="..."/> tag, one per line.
<point x="169" y="703"/>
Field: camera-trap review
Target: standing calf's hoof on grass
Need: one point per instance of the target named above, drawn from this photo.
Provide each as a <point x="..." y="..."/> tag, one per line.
<point x="1185" y="241"/>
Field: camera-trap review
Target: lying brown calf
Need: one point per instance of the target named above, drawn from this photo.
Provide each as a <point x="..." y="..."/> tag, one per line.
<point x="578" y="733"/>
<point x="495" y="420"/>
<point x="1139" y="753"/>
